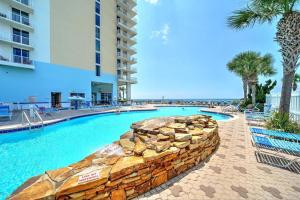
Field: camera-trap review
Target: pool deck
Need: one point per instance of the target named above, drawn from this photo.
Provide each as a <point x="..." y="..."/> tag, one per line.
<point x="232" y="173"/>
<point x="16" y="122"/>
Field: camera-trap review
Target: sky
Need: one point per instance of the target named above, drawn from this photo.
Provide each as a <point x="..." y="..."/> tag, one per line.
<point x="183" y="47"/>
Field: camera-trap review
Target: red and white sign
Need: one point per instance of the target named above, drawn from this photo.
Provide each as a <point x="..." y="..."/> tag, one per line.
<point x="89" y="177"/>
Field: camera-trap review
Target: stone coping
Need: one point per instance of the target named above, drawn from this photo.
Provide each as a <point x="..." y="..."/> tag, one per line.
<point x="155" y="151"/>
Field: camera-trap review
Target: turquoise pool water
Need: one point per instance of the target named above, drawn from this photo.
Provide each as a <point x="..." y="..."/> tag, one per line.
<point x="26" y="154"/>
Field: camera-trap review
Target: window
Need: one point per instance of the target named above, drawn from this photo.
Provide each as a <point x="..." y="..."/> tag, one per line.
<point x="97" y="58"/>
<point x="97" y="32"/>
<point x="97" y="20"/>
<point x="97" y="45"/>
<point x="16" y="15"/>
<point x="98" y="70"/>
<point x="16" y="35"/>
<point x="25" y="37"/>
<point x="20" y="36"/>
<point x="25" y="18"/>
<point x="106" y="97"/>
<point x="21" y="56"/>
<point x="20" y="16"/>
<point x="97" y="7"/>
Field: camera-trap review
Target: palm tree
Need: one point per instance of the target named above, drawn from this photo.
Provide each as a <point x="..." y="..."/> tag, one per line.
<point x="237" y="67"/>
<point x="288" y="35"/>
<point x="249" y="65"/>
<point x="296" y="81"/>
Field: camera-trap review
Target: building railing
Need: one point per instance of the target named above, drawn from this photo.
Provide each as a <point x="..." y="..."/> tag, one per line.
<point x="274" y="100"/>
<point x="121" y="11"/>
<point x="133" y="60"/>
<point x="124" y="25"/>
<point x="128" y="36"/>
<point x="2" y="58"/>
<point x="16" y="18"/>
<point x="120" y="45"/>
<point x="20" y="39"/>
<point x="21" y="60"/>
<point x="17" y="59"/>
<point x="20" y="19"/>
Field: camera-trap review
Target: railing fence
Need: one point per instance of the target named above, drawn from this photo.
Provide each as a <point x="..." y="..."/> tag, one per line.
<point x="274" y="100"/>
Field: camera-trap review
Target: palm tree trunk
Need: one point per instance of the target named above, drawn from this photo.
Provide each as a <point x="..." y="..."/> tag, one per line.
<point x="253" y="88"/>
<point x="288" y="31"/>
<point x="245" y="88"/>
<point x="286" y="92"/>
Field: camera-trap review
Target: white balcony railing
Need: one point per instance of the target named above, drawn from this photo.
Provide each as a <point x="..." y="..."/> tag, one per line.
<point x="16" y="18"/>
<point x="126" y="46"/>
<point x="125" y="26"/>
<point x="17" y="59"/>
<point x="20" y="39"/>
<point x="21" y="60"/>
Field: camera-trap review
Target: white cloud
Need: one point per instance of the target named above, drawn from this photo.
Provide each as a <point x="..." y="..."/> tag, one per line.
<point x="153" y="2"/>
<point x="163" y="33"/>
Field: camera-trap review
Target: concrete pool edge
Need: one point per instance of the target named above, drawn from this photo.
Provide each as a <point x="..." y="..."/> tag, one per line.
<point x="232" y="117"/>
<point x="20" y="127"/>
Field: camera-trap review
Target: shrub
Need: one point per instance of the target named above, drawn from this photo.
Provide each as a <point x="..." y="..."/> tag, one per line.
<point x="282" y="122"/>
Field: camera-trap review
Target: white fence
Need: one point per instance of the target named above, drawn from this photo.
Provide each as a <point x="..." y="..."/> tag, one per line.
<point x="274" y="100"/>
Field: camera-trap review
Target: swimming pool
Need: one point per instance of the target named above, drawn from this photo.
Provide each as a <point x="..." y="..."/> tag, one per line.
<point x="25" y="154"/>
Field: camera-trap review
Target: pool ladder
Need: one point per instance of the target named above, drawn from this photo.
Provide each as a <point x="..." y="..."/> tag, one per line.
<point x="25" y="119"/>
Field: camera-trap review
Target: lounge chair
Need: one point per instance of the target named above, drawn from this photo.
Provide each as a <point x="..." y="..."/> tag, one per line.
<point x="276" y="134"/>
<point x="232" y="108"/>
<point x="279" y="146"/>
<point x="5" y="112"/>
<point x="259" y="116"/>
<point x="251" y="110"/>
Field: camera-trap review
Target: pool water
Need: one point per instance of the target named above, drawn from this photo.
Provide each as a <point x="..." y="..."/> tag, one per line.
<point x="29" y="153"/>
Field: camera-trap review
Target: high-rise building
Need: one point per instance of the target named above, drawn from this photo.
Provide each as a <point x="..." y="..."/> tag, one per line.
<point x="51" y="50"/>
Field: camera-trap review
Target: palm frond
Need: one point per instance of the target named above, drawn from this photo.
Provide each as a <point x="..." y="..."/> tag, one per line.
<point x="260" y="11"/>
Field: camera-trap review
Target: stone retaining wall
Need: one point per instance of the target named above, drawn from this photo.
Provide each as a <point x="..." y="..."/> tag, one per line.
<point x="154" y="152"/>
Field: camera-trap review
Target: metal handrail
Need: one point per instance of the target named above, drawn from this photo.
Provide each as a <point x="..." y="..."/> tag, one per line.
<point x="39" y="117"/>
<point x="24" y="115"/>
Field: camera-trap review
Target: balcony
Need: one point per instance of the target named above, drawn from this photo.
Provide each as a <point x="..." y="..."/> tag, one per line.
<point x="126" y="69"/>
<point x="133" y="80"/>
<point x="16" y="21"/>
<point x="16" y="41"/>
<point x="123" y="57"/>
<point x="25" y="5"/>
<point x="127" y="15"/>
<point x="128" y="48"/>
<point x="127" y="37"/>
<point x="132" y="61"/>
<point x="124" y="80"/>
<point x="130" y="30"/>
<point x="17" y="61"/>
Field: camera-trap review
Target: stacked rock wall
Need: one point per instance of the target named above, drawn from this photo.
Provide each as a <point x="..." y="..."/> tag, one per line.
<point x="154" y="152"/>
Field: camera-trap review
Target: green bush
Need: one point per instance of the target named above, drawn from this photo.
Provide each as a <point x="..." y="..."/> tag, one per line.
<point x="282" y="122"/>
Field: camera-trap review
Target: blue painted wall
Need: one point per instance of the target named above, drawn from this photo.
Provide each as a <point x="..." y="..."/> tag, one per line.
<point x="17" y="84"/>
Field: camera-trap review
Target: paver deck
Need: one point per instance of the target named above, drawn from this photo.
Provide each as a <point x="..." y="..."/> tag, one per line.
<point x="233" y="172"/>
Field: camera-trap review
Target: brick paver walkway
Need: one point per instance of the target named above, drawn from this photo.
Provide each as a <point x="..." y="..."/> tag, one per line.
<point x="231" y="173"/>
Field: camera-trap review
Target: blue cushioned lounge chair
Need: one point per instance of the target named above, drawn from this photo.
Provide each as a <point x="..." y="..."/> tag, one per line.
<point x="259" y="116"/>
<point x="279" y="146"/>
<point x="276" y="134"/>
<point x="5" y="112"/>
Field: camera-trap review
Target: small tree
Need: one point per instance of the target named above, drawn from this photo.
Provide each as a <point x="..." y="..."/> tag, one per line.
<point x="249" y="65"/>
